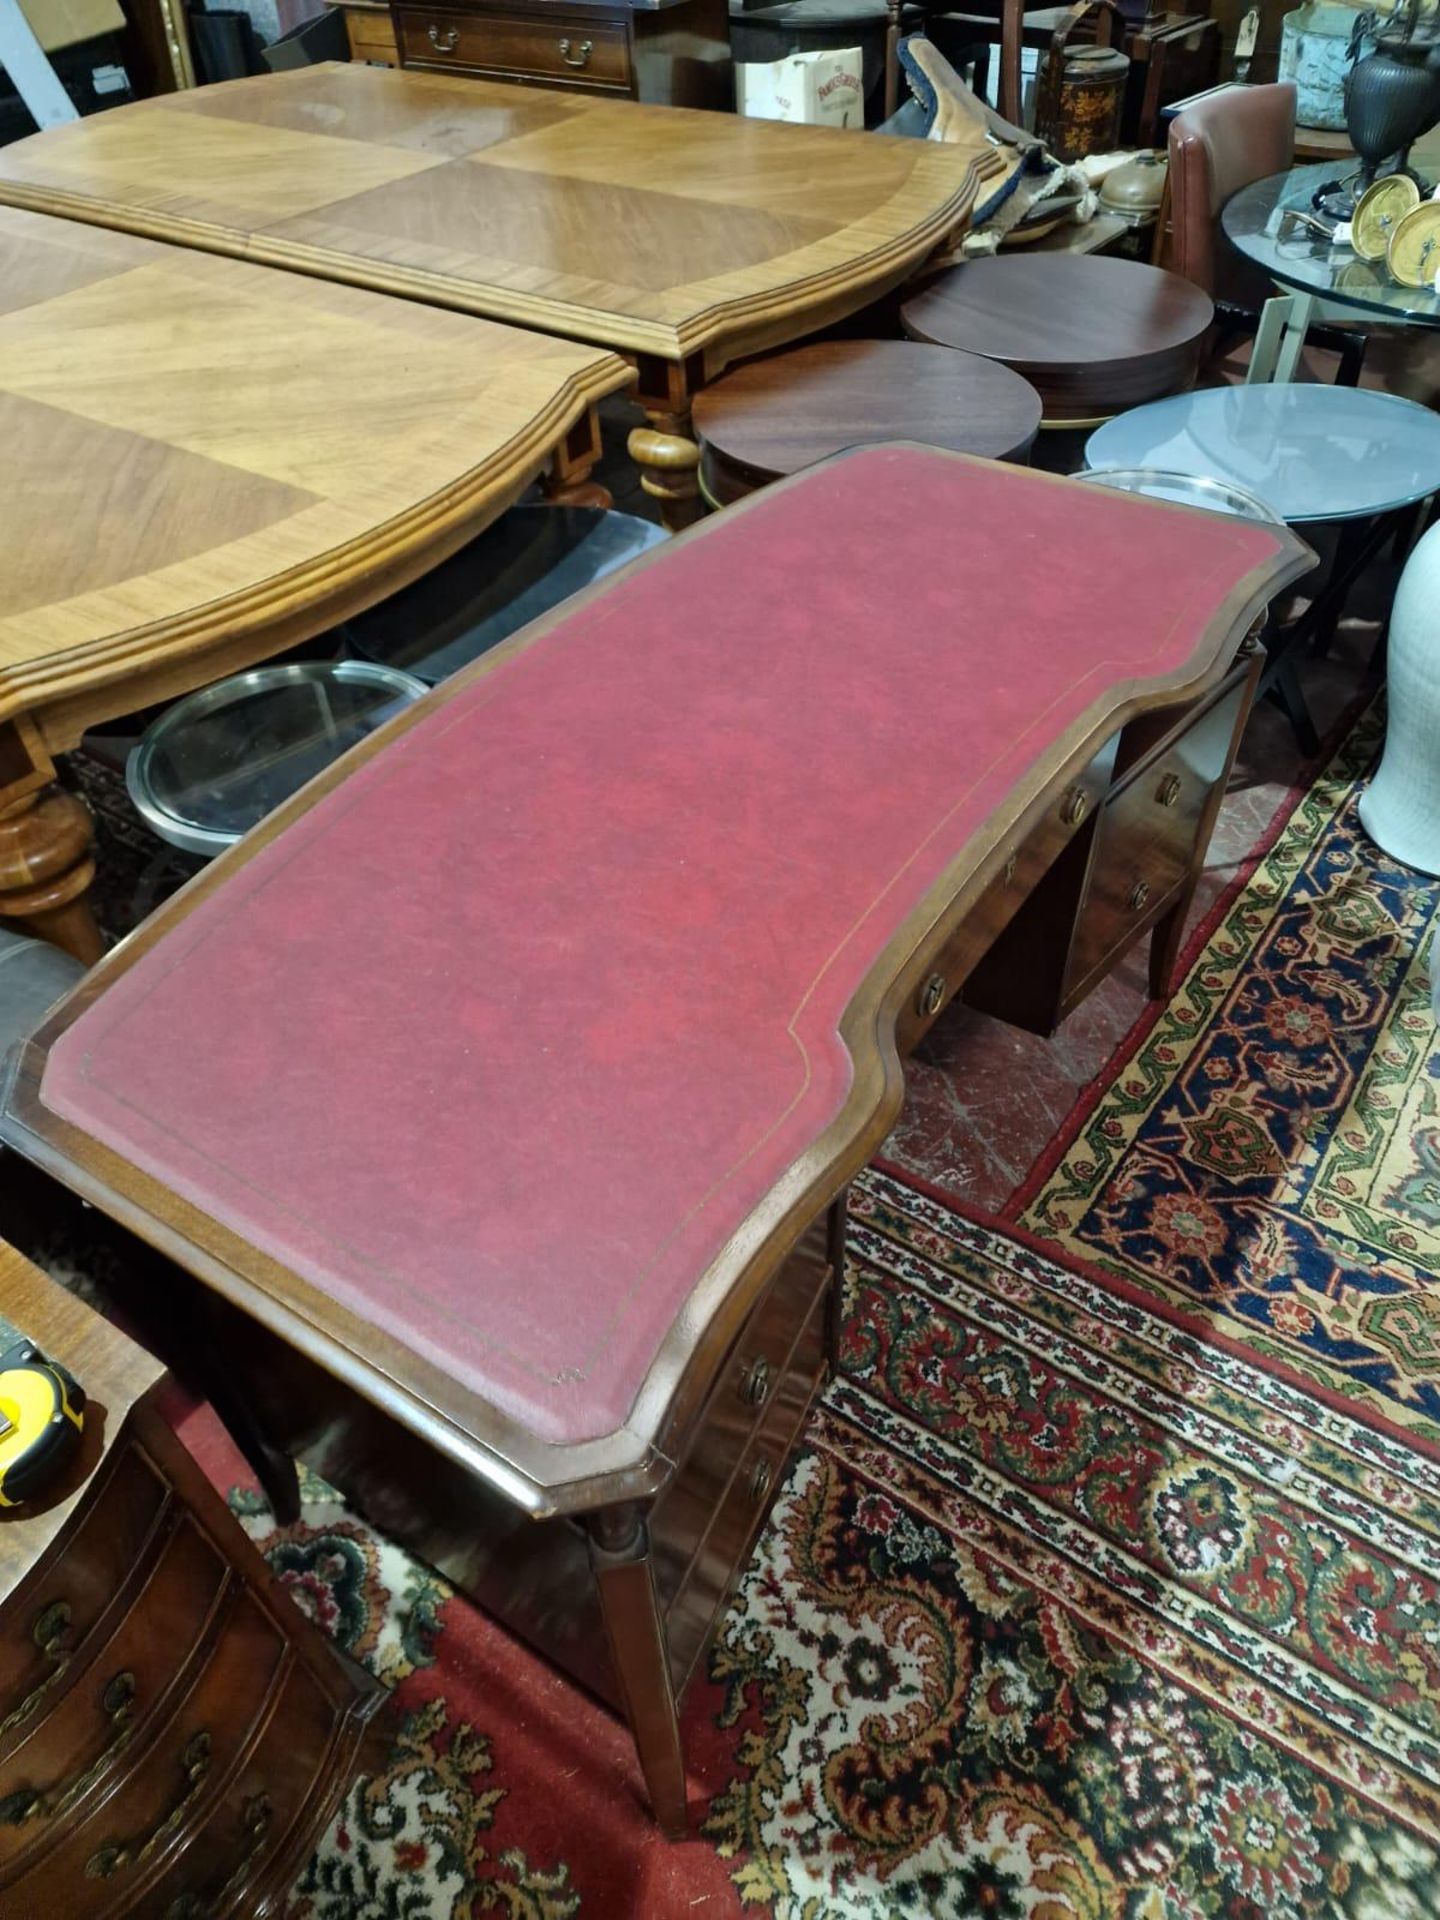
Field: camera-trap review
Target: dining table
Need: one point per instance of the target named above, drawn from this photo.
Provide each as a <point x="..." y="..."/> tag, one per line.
<point x="208" y="462"/>
<point x="681" y="239"/>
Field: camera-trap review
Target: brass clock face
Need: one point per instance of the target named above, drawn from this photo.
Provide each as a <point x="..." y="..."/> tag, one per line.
<point x="1413" y="255"/>
<point x="1378" y="213"/>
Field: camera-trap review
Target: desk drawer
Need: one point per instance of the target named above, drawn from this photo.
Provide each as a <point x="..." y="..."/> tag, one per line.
<point x="1029" y="861"/>
<point x="1151" y="833"/>
<point x="752" y="1378"/>
<point x="584" y="50"/>
<point x="372" y="36"/>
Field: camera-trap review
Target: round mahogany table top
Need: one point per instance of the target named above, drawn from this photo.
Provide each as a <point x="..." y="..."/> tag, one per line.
<point x="1094" y="335"/>
<point x="771" y="417"/>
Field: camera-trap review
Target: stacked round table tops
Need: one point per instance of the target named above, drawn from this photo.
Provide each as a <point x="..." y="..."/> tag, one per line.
<point x="1092" y="335"/>
<point x="772" y="417"/>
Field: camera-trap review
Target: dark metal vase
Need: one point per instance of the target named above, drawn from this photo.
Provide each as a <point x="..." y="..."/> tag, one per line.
<point x="1391" y="98"/>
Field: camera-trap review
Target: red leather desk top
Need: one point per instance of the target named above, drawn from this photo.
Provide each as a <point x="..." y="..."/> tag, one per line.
<point x="500" y="1042"/>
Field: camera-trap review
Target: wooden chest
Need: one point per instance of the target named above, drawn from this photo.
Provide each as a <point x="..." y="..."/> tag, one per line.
<point x="673" y="53"/>
<point x="174" y="1736"/>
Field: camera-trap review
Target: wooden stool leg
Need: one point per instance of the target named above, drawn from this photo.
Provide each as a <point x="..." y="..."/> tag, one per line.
<point x="46" y="870"/>
<point x="669" y="462"/>
<point x="624" y="1575"/>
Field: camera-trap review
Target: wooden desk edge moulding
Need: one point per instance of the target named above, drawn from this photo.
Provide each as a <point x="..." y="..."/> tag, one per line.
<point x="660" y="1556"/>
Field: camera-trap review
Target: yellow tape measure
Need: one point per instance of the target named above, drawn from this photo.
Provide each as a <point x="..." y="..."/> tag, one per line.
<point x="42" y="1415"/>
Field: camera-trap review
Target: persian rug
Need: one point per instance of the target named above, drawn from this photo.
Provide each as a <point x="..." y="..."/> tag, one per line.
<point x="1063" y="1614"/>
<point x="1267" y="1157"/>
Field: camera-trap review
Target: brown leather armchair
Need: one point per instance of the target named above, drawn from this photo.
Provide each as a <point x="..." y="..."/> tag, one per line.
<point x="1218" y="146"/>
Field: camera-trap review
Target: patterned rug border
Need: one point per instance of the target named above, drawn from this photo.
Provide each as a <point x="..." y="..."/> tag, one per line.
<point x="1197" y="1325"/>
<point x="1129" y="1045"/>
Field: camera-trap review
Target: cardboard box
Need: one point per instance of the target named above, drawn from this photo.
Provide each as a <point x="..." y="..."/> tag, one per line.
<point x="61" y="23"/>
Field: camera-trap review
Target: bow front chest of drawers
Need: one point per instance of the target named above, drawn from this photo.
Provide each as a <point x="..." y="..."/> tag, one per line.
<point x="668" y="53"/>
<point x="174" y="1735"/>
<point x="497" y="1097"/>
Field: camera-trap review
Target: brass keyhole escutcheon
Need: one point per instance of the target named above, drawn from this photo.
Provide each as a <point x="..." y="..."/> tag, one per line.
<point x="1139" y="894"/>
<point x="931" y="996"/>
<point x="760" y="1480"/>
<point x="1075" y="806"/>
<point x="1168" y="791"/>
<point x="755" y="1387"/>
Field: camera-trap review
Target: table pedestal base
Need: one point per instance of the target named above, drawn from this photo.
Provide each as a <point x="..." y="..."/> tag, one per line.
<point x="46" y="869"/>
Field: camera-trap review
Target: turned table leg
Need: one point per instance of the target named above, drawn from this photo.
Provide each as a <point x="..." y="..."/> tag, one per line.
<point x="669" y="462"/>
<point x="635" y="1630"/>
<point x="46" y="869"/>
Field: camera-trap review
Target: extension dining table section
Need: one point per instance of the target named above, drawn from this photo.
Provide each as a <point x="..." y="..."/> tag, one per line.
<point x="684" y="239"/>
<point x="206" y="462"/>
<point x="496" y="1098"/>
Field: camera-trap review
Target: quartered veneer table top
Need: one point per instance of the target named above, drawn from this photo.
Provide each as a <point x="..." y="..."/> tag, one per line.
<point x="206" y="460"/>
<point x="650" y="229"/>
<point x="502" y="1066"/>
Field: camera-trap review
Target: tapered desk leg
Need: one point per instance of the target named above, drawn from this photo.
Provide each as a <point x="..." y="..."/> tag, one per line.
<point x="46" y="870"/>
<point x="624" y="1576"/>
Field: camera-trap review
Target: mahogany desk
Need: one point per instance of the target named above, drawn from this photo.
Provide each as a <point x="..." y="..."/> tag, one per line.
<point x="206" y="462"/>
<point x="497" y="1096"/>
<point x="684" y="239"/>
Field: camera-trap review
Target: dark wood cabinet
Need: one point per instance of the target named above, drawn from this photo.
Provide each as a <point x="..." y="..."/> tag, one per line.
<point x="672" y="53"/>
<point x="174" y="1736"/>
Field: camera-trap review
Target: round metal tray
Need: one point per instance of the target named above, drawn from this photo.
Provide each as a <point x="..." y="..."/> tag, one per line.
<point x="1185" y="489"/>
<point x="213" y="765"/>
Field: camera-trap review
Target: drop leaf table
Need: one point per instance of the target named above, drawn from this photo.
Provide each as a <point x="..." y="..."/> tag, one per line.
<point x="499" y="1094"/>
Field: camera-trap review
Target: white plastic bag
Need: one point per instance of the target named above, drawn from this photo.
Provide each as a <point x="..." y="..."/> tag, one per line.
<point x="821" y="89"/>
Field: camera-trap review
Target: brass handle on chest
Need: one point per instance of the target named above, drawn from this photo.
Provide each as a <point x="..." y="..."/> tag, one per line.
<point x="444" y="42"/>
<point x="117" y="1703"/>
<point x="582" y="59"/>
<point x="931" y="996"/>
<point x="1168" y="791"/>
<point x="256" y="1817"/>
<point x="113" y="1855"/>
<point x="755" y="1387"/>
<point x="1075" y="806"/>
<point x="1139" y="894"/>
<point x="760" y="1480"/>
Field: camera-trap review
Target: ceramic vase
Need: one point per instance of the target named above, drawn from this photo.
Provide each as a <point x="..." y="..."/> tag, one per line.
<point x="1400" y="809"/>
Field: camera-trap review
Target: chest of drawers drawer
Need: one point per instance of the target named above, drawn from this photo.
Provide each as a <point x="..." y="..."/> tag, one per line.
<point x="545" y="47"/>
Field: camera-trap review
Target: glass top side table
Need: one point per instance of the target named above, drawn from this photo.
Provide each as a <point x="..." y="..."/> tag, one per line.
<point x="1259" y="221"/>
<point x="1264" y="222"/>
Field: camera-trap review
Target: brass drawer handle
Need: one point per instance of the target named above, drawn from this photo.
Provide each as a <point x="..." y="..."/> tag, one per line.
<point x="115" y="1854"/>
<point x="256" y="1817"/>
<point x="755" y="1386"/>
<point x="446" y="42"/>
<point x="1139" y="894"/>
<point x="760" y="1481"/>
<point x="50" y="1631"/>
<point x="1075" y="806"/>
<point x="587" y="47"/>
<point x="1010" y="870"/>
<point x="931" y="996"/>
<point x="1168" y="791"/>
<point x="117" y="1702"/>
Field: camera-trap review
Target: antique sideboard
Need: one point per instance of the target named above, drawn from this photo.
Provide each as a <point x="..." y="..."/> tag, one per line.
<point x="496" y="1099"/>
<point x="174" y="1734"/>
<point x="668" y="53"/>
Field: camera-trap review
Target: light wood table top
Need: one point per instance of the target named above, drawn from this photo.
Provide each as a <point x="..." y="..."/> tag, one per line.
<point x="209" y="461"/>
<point x="648" y="229"/>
